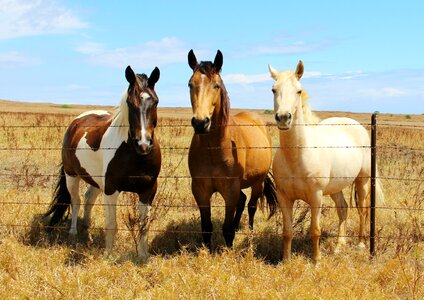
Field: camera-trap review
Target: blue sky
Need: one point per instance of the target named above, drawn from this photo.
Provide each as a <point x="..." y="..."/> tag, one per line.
<point x="360" y="56"/>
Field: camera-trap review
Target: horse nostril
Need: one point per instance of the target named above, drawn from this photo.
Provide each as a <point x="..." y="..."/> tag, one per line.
<point x="207" y="121"/>
<point x="277" y="117"/>
<point x="289" y="116"/>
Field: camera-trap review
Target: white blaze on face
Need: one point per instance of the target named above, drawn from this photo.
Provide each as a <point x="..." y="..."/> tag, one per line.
<point x="143" y="121"/>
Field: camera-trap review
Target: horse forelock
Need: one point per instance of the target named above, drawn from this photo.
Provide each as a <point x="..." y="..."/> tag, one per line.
<point x="207" y="68"/>
<point x="142" y="80"/>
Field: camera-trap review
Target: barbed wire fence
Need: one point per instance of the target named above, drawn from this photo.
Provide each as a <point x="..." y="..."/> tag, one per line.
<point x="165" y="192"/>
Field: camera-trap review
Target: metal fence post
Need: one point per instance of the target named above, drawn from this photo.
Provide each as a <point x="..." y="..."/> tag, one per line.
<point x="373" y="181"/>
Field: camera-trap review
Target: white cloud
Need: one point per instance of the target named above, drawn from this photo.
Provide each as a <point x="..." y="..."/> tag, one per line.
<point x="27" y="18"/>
<point x="279" y="48"/>
<point x="263" y="77"/>
<point x="90" y="48"/>
<point x="76" y="87"/>
<point x="384" y="92"/>
<point x="168" y="50"/>
<point x="245" y="79"/>
<point x="13" y="59"/>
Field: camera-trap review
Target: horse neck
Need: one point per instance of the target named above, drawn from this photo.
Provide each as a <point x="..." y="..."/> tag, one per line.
<point x="293" y="141"/>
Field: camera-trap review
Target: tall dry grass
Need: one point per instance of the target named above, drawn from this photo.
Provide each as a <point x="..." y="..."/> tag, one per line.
<point x="34" y="264"/>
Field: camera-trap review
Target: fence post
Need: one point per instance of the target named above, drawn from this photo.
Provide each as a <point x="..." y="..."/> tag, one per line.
<point x="373" y="181"/>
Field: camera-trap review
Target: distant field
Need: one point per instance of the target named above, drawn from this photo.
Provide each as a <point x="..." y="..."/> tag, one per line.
<point x="36" y="265"/>
<point x="185" y="112"/>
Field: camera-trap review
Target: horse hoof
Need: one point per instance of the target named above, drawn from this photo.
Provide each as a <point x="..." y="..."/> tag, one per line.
<point x="143" y="259"/>
<point x="72" y="239"/>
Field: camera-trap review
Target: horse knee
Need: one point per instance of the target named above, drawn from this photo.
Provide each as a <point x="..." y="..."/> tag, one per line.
<point x="315" y="231"/>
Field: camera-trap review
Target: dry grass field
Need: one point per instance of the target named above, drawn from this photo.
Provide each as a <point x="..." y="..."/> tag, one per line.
<point x="37" y="265"/>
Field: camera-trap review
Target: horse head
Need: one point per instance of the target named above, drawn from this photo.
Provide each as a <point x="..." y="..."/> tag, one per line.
<point x="208" y="95"/>
<point x="142" y="104"/>
<point x="287" y="92"/>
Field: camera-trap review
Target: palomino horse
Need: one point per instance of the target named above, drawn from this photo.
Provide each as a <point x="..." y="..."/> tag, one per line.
<point x="112" y="153"/>
<point x="317" y="158"/>
<point x="227" y="153"/>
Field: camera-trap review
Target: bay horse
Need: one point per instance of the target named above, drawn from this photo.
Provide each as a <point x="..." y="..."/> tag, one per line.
<point x="317" y="158"/>
<point x="227" y="153"/>
<point x="112" y="153"/>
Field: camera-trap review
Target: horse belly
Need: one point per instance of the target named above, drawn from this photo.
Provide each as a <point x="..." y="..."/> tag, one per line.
<point x="346" y="165"/>
<point x="254" y="155"/>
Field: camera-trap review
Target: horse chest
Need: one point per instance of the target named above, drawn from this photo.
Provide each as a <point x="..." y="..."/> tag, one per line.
<point x="130" y="172"/>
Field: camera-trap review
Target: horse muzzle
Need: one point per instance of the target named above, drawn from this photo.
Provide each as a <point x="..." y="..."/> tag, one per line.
<point x="143" y="147"/>
<point x="283" y="121"/>
<point x="201" y="125"/>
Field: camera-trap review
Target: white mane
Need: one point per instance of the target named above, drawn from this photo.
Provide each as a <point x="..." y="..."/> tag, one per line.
<point x="120" y="119"/>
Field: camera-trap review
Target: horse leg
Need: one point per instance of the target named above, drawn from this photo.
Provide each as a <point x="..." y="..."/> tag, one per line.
<point x="145" y="205"/>
<point x="90" y="197"/>
<point x="231" y="195"/>
<point x="257" y="192"/>
<point x="315" y="231"/>
<point x="72" y="184"/>
<point x="342" y="212"/>
<point x="361" y="185"/>
<point x="111" y="227"/>
<point x="286" y="207"/>
<point x="240" y="209"/>
<point x="202" y="194"/>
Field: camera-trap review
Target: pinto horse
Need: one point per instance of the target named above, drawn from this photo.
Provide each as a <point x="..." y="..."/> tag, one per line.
<point x="112" y="153"/>
<point x="317" y="158"/>
<point x="227" y="153"/>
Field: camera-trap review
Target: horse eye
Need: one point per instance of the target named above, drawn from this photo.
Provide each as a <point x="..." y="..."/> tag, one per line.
<point x="216" y="86"/>
<point x="299" y="92"/>
<point x="273" y="91"/>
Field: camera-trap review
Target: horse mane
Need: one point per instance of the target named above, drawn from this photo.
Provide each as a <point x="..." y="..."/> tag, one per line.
<point x="225" y="105"/>
<point x="207" y="68"/>
<point x="120" y="117"/>
<point x="308" y="115"/>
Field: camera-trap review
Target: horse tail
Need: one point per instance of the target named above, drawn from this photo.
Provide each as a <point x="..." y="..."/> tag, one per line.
<point x="270" y="193"/>
<point x="61" y="201"/>
<point x="379" y="195"/>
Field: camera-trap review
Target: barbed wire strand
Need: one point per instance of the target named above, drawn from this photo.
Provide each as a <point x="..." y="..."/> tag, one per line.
<point x="188" y="125"/>
<point x="194" y="206"/>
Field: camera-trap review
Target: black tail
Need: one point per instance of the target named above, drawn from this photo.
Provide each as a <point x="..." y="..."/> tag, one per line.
<point x="61" y="202"/>
<point x="270" y="193"/>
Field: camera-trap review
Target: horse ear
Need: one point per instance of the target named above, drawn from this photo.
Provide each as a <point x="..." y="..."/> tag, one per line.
<point x="273" y="72"/>
<point x="219" y="59"/>
<point x="299" y="70"/>
<point x="192" y="60"/>
<point x="130" y="75"/>
<point x="153" y="78"/>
